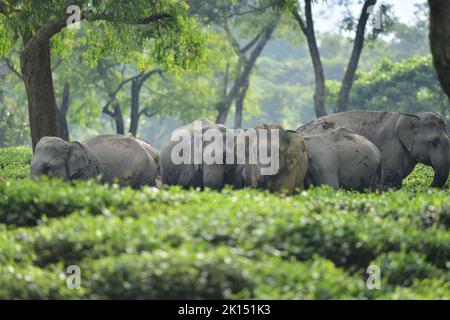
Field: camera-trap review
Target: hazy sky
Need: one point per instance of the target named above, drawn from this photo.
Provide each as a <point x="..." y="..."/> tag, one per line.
<point x="403" y="9"/>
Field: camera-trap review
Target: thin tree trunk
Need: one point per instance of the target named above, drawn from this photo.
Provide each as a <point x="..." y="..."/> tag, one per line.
<point x="62" y="112"/>
<point x="319" y="75"/>
<point x="240" y="106"/>
<point x="222" y="113"/>
<point x="440" y="40"/>
<point x="358" y="45"/>
<point x="118" y="119"/>
<point x="134" y="115"/>
<point x="37" y="76"/>
<point x="244" y="76"/>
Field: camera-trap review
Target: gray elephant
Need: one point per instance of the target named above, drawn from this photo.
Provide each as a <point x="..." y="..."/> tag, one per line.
<point x="340" y="158"/>
<point x="291" y="157"/>
<point x="154" y="153"/>
<point x="113" y="157"/>
<point x="403" y="140"/>
<point x="182" y="156"/>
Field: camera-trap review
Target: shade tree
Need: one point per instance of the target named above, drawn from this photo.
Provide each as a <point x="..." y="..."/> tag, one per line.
<point x="37" y="27"/>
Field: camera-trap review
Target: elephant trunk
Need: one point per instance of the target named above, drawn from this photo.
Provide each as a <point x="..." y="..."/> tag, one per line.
<point x="440" y="161"/>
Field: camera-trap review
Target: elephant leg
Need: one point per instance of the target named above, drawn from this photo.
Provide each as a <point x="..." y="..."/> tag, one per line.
<point x="213" y="176"/>
<point x="190" y="176"/>
<point x="329" y="179"/>
<point x="325" y="172"/>
<point x="390" y="178"/>
<point x="164" y="177"/>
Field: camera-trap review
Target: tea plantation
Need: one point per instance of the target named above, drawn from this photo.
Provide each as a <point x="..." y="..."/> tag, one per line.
<point x="171" y="243"/>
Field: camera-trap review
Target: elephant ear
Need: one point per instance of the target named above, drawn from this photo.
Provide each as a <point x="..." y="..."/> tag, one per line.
<point x="406" y="128"/>
<point x="81" y="163"/>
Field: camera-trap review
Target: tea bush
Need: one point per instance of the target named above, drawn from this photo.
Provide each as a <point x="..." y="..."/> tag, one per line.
<point x="173" y="243"/>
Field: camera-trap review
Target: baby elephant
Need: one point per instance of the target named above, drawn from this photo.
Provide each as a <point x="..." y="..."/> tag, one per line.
<point x="114" y="157"/>
<point x="342" y="159"/>
<point x="287" y="148"/>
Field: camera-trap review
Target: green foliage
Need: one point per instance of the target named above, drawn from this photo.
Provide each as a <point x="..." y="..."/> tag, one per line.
<point x="172" y="243"/>
<point x="407" y="86"/>
<point x="114" y="29"/>
<point x="15" y="163"/>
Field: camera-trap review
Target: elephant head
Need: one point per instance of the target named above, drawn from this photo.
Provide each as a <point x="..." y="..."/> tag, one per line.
<point x="426" y="138"/>
<point x="293" y="162"/>
<point x="279" y="156"/>
<point x="55" y="157"/>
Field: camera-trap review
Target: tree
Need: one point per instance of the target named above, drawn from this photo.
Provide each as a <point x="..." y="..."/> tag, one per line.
<point x="358" y="44"/>
<point x="111" y="77"/>
<point x="38" y="27"/>
<point x="246" y="64"/>
<point x="307" y="27"/>
<point x="358" y="25"/>
<point x="259" y="22"/>
<point x="440" y="40"/>
<point x="409" y="86"/>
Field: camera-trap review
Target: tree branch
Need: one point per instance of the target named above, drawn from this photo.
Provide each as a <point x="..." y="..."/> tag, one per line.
<point x="300" y="21"/>
<point x="114" y="94"/>
<point x="11" y="67"/>
<point x="252" y="42"/>
<point x="147" y="112"/>
<point x="52" y="28"/>
<point x="358" y="45"/>
<point x="147" y="75"/>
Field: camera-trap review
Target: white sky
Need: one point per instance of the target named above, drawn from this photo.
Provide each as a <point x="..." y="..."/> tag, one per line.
<point x="403" y="9"/>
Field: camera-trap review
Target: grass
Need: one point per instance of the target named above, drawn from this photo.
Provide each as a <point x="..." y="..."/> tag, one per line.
<point x="172" y="243"/>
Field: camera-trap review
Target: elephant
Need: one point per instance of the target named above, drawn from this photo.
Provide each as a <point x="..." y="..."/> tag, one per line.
<point x="290" y="151"/>
<point x="402" y="139"/>
<point x="340" y="158"/>
<point x="113" y="157"/>
<point x="182" y="156"/>
<point x="154" y="153"/>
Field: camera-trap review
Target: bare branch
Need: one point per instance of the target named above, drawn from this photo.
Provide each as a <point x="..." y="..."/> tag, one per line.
<point x="115" y="92"/>
<point x="147" y="112"/>
<point x="147" y="75"/>
<point x="11" y="67"/>
<point x="300" y="21"/>
<point x="252" y="42"/>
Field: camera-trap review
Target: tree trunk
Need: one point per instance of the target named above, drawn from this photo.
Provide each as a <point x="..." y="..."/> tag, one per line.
<point x="37" y="76"/>
<point x="358" y="45"/>
<point x="134" y="114"/>
<point x="440" y="40"/>
<point x="222" y="113"/>
<point x="319" y="75"/>
<point x="244" y="76"/>
<point x="118" y="119"/>
<point x="240" y="106"/>
<point x="62" y="113"/>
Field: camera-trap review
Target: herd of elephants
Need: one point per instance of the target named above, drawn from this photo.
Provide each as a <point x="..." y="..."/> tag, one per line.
<point x="355" y="150"/>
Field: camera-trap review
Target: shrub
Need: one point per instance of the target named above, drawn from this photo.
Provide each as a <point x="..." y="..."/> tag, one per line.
<point x="15" y="163"/>
<point x="173" y="243"/>
<point x="403" y="268"/>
